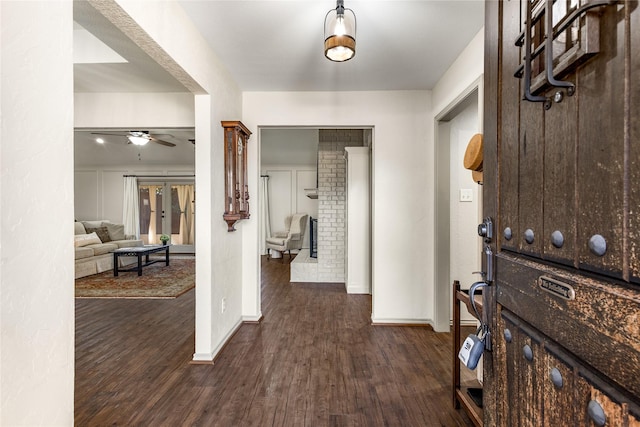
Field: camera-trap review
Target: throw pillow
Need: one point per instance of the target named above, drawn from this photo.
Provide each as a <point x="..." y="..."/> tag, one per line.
<point x="116" y="231"/>
<point x="92" y="224"/>
<point x="102" y="232"/>
<point x="85" y="239"/>
<point x="79" y="228"/>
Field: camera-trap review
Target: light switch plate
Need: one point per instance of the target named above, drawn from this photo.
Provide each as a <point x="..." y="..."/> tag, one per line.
<point x="466" y="195"/>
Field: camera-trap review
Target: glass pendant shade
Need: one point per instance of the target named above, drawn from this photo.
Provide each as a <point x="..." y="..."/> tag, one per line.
<point x="138" y="139"/>
<point x="340" y="34"/>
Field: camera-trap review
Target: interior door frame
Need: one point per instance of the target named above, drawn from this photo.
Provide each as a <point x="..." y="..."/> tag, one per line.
<point x="443" y="302"/>
<point x="370" y="140"/>
<point x="166" y="206"/>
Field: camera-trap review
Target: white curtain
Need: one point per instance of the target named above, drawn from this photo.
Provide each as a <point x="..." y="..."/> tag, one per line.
<point x="191" y="215"/>
<point x="183" y="196"/>
<point x="265" y="220"/>
<point x="131" y="207"/>
<point x="152" y="234"/>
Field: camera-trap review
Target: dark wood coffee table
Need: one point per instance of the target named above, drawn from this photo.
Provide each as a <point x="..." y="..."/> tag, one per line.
<point x="139" y="251"/>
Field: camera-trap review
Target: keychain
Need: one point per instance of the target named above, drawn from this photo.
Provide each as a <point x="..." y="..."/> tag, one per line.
<point x="474" y="345"/>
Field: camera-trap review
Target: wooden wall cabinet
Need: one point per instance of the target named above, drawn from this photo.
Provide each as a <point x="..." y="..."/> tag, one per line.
<point x="236" y="190"/>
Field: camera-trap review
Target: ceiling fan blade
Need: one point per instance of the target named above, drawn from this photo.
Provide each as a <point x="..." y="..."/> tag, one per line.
<point x="161" y="142"/>
<point x="109" y="133"/>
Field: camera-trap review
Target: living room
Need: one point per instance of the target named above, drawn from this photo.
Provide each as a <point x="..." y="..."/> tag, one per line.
<point x="160" y="164"/>
<point x="103" y="158"/>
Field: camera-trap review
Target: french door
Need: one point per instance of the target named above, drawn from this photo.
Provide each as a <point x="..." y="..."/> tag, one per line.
<point x="168" y="208"/>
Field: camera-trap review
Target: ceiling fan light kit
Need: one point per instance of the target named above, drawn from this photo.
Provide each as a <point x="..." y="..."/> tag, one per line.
<point x="340" y="33"/>
<point x="138" y="138"/>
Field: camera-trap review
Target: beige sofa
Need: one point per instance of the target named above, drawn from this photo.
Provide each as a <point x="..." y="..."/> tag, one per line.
<point x="94" y="241"/>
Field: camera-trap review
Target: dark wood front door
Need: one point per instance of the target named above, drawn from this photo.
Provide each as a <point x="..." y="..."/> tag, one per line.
<point x="562" y="185"/>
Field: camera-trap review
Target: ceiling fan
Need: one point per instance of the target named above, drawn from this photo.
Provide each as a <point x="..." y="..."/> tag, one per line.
<point x="139" y="137"/>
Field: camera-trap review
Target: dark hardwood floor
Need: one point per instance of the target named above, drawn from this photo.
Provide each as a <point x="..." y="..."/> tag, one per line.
<point x="315" y="360"/>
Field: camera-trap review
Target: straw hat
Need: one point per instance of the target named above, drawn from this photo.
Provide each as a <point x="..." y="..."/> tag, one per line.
<point x="473" y="157"/>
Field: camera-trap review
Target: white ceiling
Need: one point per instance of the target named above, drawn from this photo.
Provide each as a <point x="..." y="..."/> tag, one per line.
<point x="290" y="147"/>
<point x="278" y="45"/>
<point x="116" y="150"/>
<point x="139" y="73"/>
<point x="272" y="45"/>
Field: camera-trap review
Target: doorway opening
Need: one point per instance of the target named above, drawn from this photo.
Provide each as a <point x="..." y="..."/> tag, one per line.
<point x="168" y="208"/>
<point x="307" y="170"/>
<point x="458" y="202"/>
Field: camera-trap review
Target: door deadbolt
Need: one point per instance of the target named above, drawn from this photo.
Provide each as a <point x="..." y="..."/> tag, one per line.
<point x="485" y="229"/>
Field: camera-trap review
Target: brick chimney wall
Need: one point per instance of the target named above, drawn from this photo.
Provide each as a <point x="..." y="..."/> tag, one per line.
<point x="332" y="181"/>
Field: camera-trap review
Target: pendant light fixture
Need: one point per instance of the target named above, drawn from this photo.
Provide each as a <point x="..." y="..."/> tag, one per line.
<point x="340" y="33"/>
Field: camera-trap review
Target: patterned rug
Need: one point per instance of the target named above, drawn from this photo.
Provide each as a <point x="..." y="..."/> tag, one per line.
<point x="157" y="281"/>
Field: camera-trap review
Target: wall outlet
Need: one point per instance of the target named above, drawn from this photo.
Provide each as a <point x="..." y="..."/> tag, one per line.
<point x="223" y="305"/>
<point x="466" y="195"/>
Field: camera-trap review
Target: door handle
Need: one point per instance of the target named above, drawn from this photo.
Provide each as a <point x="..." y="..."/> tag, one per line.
<point x="525" y="37"/>
<point x="549" y="53"/>
<point x="528" y="58"/>
<point x="488" y="264"/>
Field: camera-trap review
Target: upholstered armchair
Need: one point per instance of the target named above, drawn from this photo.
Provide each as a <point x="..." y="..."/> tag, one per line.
<point x="291" y="237"/>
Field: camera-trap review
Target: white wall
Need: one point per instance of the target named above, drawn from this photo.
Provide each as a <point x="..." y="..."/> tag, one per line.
<point x="135" y="110"/>
<point x="358" y="242"/>
<point x="287" y="195"/>
<point x="37" y="304"/>
<point x="464" y="216"/>
<point x="99" y="192"/>
<point x="465" y="73"/>
<point x="402" y="178"/>
<point x="36" y="192"/>
<point x="466" y="69"/>
<point x="218" y="266"/>
<point x="289" y="156"/>
<point x="402" y="195"/>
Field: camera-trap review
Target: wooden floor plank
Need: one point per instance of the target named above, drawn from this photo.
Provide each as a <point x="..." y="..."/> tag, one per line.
<point x="315" y="360"/>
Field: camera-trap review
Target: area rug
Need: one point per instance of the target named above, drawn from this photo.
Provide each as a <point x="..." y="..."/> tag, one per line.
<point x="157" y="281"/>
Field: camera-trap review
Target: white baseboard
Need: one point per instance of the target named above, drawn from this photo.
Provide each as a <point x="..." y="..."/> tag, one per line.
<point x="417" y="322"/>
<point x="358" y="290"/>
<point x="210" y="357"/>
<point x="202" y="358"/>
<point x="252" y="319"/>
<point x="473" y="323"/>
